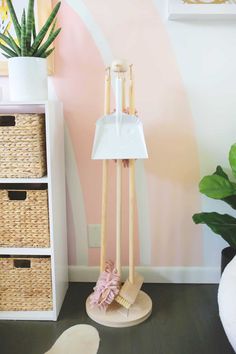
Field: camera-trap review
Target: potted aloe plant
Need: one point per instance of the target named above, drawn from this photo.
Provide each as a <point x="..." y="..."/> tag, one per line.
<point x="219" y="186"/>
<point x="27" y="53"/>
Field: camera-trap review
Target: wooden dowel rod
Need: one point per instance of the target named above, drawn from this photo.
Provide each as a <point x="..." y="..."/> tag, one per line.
<point x="103" y="250"/>
<point x="123" y="94"/>
<point x="131" y="218"/>
<point x="131" y="185"/>
<point x="107" y="101"/>
<point x="105" y="165"/>
<point x="118" y="214"/>
<point x="131" y="92"/>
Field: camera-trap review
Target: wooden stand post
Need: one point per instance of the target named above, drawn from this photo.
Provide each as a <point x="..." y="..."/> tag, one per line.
<point x="105" y="166"/>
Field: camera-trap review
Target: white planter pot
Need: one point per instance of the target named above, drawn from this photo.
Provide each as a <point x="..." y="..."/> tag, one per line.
<point x="28" y="79"/>
<point x="227" y="303"/>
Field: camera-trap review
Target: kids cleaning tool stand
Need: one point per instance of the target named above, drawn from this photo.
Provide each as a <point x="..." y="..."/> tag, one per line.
<point x="119" y="136"/>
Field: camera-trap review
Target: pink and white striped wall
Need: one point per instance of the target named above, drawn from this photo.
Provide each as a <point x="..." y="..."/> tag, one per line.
<point x="185" y="87"/>
<point x="169" y="101"/>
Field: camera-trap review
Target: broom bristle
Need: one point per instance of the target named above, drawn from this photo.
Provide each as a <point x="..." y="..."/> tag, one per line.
<point x="129" y="292"/>
<point x="121" y="301"/>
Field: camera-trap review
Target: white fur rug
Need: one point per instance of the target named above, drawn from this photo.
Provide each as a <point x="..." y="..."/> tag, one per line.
<point x="227" y="301"/>
<point x="79" y="339"/>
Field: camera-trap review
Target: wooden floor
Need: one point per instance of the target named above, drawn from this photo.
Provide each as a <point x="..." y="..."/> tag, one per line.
<point x="184" y="321"/>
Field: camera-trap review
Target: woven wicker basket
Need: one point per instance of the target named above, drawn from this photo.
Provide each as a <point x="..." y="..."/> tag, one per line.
<point x="25" y="284"/>
<point x="22" y="146"/>
<point x="24" y="223"/>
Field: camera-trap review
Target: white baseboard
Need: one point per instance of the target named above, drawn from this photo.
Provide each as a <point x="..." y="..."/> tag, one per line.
<point x="186" y="275"/>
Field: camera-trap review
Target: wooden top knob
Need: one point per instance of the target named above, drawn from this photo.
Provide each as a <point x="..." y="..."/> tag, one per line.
<point x="119" y="66"/>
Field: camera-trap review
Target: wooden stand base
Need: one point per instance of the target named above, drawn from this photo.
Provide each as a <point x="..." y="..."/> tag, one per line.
<point x="117" y="316"/>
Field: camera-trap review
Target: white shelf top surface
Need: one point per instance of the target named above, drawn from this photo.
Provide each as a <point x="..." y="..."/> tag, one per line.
<point x="19" y="103"/>
<point x="25" y="251"/>
<point x="28" y="315"/>
<point x="24" y="180"/>
<point x="7" y="107"/>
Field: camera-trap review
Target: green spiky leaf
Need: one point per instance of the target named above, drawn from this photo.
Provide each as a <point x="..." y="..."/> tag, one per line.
<point x="47" y="53"/>
<point x="53" y="27"/>
<point x="6" y="56"/>
<point x="34" y="29"/>
<point x="42" y="33"/>
<point x="13" y="44"/>
<point x="232" y="158"/>
<point x="14" y="20"/>
<point x="47" y="44"/>
<point x="8" y="51"/>
<point x="6" y="40"/>
<point x="23" y="35"/>
<point x="29" y="23"/>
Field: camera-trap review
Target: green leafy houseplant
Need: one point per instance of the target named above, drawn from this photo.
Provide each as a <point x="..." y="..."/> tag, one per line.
<point x="28" y="43"/>
<point x="219" y="186"/>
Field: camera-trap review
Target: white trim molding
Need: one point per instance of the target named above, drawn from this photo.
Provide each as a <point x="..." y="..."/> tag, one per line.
<point x="178" y="275"/>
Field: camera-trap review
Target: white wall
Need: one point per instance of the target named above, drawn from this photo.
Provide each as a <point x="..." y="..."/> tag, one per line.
<point x="206" y="55"/>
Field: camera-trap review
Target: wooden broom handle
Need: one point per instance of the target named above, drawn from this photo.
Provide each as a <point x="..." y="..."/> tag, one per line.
<point x="103" y="250"/>
<point x="118" y="214"/>
<point x="119" y="67"/>
<point x="131" y="91"/>
<point x="105" y="166"/>
<point x="131" y="186"/>
<point x="131" y="219"/>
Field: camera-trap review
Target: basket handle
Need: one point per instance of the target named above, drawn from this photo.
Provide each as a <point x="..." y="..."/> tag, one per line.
<point x="17" y="195"/>
<point x="22" y="263"/>
<point x="7" y="121"/>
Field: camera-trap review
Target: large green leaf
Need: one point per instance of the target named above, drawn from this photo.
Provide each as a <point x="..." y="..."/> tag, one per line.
<point x="232" y="158"/>
<point x="231" y="200"/>
<point x="217" y="187"/>
<point x="220" y="172"/>
<point x="221" y="224"/>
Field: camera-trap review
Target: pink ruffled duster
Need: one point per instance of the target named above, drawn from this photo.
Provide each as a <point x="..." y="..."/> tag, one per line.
<point x="107" y="287"/>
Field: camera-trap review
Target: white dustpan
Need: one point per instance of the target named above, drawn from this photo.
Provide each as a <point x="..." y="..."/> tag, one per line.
<point x="125" y="141"/>
<point x="119" y="135"/>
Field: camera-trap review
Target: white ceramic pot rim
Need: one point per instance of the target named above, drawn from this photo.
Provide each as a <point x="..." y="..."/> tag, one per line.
<point x="27" y="58"/>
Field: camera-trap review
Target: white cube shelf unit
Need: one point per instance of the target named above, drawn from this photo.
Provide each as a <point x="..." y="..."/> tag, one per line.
<point x="55" y="180"/>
